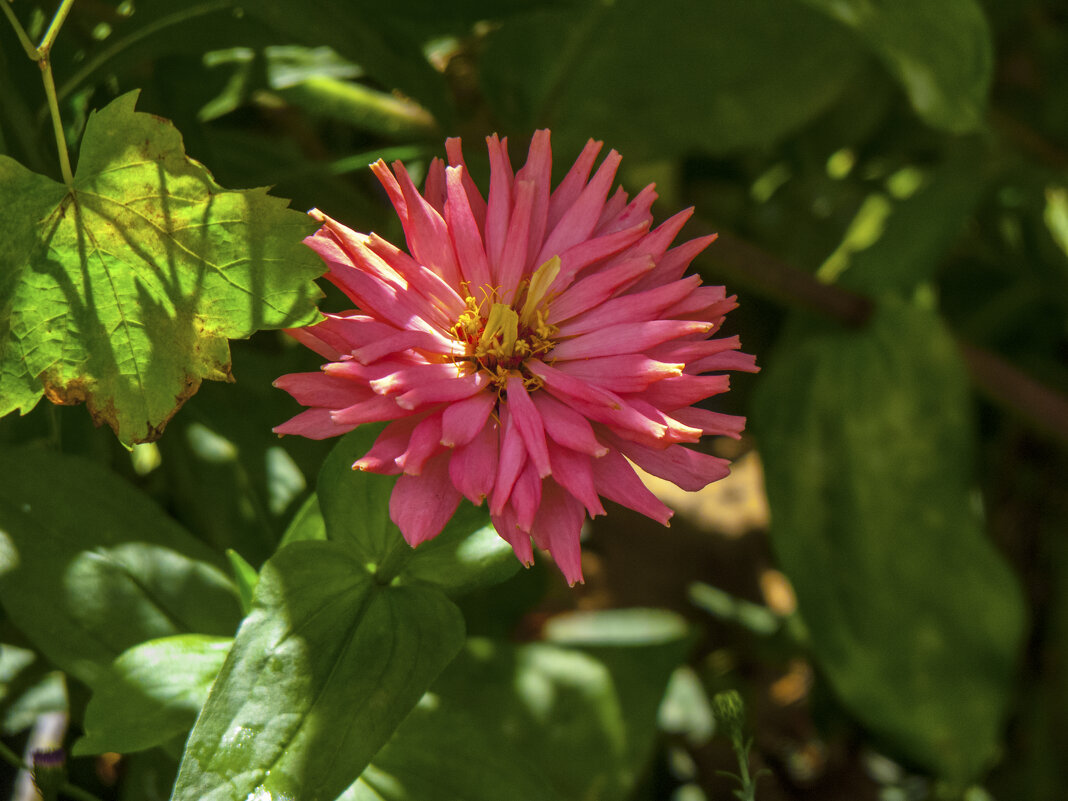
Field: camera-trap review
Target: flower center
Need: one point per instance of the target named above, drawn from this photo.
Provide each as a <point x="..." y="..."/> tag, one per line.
<point x="502" y="340"/>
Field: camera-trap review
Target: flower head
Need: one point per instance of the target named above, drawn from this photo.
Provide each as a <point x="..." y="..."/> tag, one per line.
<point x="526" y="349"/>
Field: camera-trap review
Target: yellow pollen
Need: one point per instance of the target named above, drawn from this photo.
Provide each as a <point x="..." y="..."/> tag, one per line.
<point x="502" y="340"/>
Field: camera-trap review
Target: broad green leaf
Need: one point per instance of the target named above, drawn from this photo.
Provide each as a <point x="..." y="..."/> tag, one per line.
<point x="90" y="567"/>
<point x="661" y="79"/>
<point x="468" y="555"/>
<point x="354" y="503"/>
<point x="153" y="692"/>
<point x="122" y="291"/>
<point x="942" y="53"/>
<point x="584" y="719"/>
<point x="913" y="617"/>
<point x="307" y="523"/>
<point x="245" y="577"/>
<point x="354" y="508"/>
<point x="426" y="761"/>
<point x="321" y="673"/>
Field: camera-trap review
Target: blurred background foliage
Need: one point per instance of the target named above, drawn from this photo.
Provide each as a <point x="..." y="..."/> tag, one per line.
<point x="890" y="182"/>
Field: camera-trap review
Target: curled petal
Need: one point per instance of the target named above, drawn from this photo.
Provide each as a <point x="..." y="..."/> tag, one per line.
<point x="422" y="505"/>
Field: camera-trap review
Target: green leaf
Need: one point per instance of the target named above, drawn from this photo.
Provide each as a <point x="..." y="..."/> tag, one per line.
<point x="90" y="567"/>
<point x="942" y="53"/>
<point x="468" y="555"/>
<point x="321" y="673"/>
<point x="354" y="503"/>
<point x="152" y="693"/>
<point x="123" y="290"/>
<point x="582" y="719"/>
<point x="245" y="577"/>
<point x="307" y="523"/>
<point x="866" y="438"/>
<point x="661" y="79"/>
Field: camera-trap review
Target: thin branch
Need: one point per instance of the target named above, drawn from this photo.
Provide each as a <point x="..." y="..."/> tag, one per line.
<point x="24" y="39"/>
<point x="53" y="29"/>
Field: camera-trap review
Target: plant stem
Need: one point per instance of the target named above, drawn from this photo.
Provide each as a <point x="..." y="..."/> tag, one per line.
<point x="57" y="122"/>
<point x="53" y="30"/>
<point x="27" y="45"/>
<point x="42" y="55"/>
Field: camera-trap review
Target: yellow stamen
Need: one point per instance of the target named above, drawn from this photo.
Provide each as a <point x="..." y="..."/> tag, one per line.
<point x="501" y="333"/>
<point x="539" y="285"/>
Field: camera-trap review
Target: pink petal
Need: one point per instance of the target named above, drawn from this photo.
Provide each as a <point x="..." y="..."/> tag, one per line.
<point x="473" y="467"/>
<point x="499" y="209"/>
<point x="577" y="258"/>
<point x="617" y="481"/>
<point x="637" y="211"/>
<point x="513" y="457"/>
<point x="711" y="423"/>
<point x="559" y="523"/>
<point x="474" y="197"/>
<point x="573" y="472"/>
<point x="426" y="232"/>
<point x="506" y="526"/>
<point x="391" y="443"/>
<point x="688" y="469"/>
<point x="567" y="192"/>
<point x="673" y="264"/>
<point x="443" y="390"/>
<point x="314" y="424"/>
<point x="686" y="390"/>
<point x="424" y="443"/>
<point x="407" y="340"/>
<point x="731" y="360"/>
<point x="630" y="373"/>
<point x="613" y="208"/>
<point x="524" y="415"/>
<point x="422" y="505"/>
<point x="634" y="306"/>
<point x="463" y="419"/>
<point x="464" y="229"/>
<point x="526" y="496"/>
<point x="597" y="404"/>
<point x="566" y="426"/>
<point x="434" y="188"/>
<point x="625" y="338"/>
<point x="512" y="265"/>
<point x="319" y="389"/>
<point x="375" y="410"/>
<point x="577" y="225"/>
<point x="595" y="289"/>
<point x="538" y="170"/>
<point x="393" y="190"/>
<point x="423" y="280"/>
<point x="690" y="351"/>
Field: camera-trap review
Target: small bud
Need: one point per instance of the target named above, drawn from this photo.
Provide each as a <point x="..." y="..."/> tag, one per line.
<point x="49" y="771"/>
<point x="729" y="711"/>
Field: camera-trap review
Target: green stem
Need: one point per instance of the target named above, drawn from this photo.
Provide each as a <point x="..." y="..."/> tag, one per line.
<point x="57" y="122"/>
<point x="394" y="562"/>
<point x="53" y="29"/>
<point x="41" y="54"/>
<point x="27" y="45"/>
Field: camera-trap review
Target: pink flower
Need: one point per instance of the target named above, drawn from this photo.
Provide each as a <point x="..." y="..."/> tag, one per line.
<point x="527" y="348"/>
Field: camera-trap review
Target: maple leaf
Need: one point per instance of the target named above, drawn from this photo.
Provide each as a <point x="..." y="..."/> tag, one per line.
<point x="123" y="290"/>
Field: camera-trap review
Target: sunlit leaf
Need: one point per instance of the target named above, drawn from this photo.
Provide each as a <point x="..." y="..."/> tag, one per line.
<point x="152" y="692"/>
<point x="115" y="570"/>
<point x="323" y="670"/>
<point x="122" y="291"/>
<point x="912" y="615"/>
